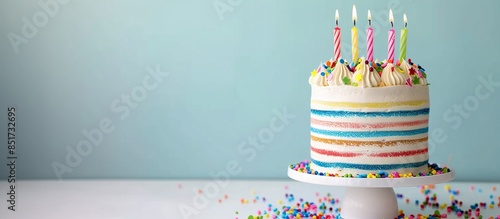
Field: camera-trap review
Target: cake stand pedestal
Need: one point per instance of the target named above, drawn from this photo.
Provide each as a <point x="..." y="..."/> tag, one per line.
<point x="369" y="198"/>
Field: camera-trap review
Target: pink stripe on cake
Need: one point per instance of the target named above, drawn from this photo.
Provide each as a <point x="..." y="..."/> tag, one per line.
<point x="335" y="153"/>
<point x="368" y="125"/>
<point x="384" y="154"/>
<point x="400" y="153"/>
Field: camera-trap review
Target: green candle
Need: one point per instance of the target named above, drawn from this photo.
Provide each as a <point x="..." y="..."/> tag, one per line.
<point x="402" y="41"/>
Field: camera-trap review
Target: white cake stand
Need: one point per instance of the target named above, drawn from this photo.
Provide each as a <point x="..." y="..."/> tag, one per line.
<point x="369" y="198"/>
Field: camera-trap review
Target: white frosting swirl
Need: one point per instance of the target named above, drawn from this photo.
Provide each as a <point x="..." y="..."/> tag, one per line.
<point x="391" y="77"/>
<point x="423" y="80"/>
<point x="339" y="73"/>
<point x="406" y="67"/>
<point x="318" y="77"/>
<point x="320" y="80"/>
<point x="368" y="78"/>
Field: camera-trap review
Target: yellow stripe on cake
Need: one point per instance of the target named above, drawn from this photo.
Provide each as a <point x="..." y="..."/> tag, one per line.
<point x="369" y="105"/>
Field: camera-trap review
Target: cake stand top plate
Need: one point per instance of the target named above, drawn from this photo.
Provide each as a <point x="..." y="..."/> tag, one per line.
<point x="370" y="182"/>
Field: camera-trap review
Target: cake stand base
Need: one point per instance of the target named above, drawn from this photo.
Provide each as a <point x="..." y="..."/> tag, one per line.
<point x="365" y="203"/>
<point x="369" y="198"/>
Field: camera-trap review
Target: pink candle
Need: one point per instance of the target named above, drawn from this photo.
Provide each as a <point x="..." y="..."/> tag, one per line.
<point x="336" y="37"/>
<point x="391" y="40"/>
<point x="369" y="39"/>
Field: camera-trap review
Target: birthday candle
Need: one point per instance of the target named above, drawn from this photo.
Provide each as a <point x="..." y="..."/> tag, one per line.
<point x="392" y="39"/>
<point x="369" y="39"/>
<point x="402" y="41"/>
<point x="354" y="36"/>
<point x="336" y="37"/>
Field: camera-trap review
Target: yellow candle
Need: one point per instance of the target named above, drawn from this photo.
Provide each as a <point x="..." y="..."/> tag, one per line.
<point x="354" y="36"/>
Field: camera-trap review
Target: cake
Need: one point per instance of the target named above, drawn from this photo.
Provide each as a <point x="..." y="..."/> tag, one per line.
<point x="369" y="117"/>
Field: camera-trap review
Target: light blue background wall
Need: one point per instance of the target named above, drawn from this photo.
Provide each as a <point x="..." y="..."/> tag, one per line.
<point x="227" y="75"/>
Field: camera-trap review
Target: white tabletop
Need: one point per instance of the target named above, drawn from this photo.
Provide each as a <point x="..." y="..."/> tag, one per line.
<point x="166" y="198"/>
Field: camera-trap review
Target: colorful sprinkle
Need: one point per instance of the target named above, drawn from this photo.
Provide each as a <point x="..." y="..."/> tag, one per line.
<point x="327" y="207"/>
<point x="433" y="169"/>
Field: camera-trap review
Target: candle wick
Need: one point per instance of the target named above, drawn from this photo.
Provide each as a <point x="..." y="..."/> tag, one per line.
<point x="370" y="22"/>
<point x="406" y="24"/>
<point x="337" y="22"/>
<point x="354" y="22"/>
<point x="392" y="24"/>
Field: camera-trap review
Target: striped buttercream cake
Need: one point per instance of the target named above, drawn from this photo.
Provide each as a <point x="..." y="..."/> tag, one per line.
<point x="360" y="130"/>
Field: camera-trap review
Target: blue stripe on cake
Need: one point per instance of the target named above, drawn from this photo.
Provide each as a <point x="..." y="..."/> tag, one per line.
<point x="369" y="134"/>
<point x="370" y="166"/>
<point x="330" y="113"/>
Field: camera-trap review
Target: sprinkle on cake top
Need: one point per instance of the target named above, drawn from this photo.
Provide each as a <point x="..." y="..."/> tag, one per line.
<point x="368" y="74"/>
